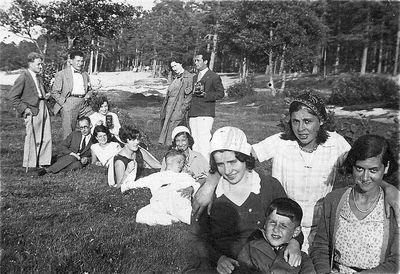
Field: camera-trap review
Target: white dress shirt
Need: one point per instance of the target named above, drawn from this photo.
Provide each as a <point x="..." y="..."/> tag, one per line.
<point x="78" y="85"/>
<point x="201" y="74"/>
<point x="33" y="74"/>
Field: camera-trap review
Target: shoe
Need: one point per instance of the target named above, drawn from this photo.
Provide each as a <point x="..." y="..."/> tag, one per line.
<point x="42" y="171"/>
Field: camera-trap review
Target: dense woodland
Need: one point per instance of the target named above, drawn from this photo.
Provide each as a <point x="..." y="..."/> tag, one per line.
<point x="273" y="37"/>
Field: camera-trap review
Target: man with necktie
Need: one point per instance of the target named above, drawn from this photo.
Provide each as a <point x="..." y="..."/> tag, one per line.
<point x="72" y="90"/>
<point x="74" y="151"/>
<point x="207" y="89"/>
<point x="29" y="98"/>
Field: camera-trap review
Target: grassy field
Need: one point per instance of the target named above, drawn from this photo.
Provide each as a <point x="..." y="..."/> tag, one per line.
<point x="75" y="223"/>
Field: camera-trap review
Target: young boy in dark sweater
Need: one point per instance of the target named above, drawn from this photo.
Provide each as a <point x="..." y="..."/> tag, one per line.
<point x="264" y="252"/>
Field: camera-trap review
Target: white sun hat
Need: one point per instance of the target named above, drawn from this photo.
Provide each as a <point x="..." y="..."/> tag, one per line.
<point x="230" y="138"/>
<point x="179" y="129"/>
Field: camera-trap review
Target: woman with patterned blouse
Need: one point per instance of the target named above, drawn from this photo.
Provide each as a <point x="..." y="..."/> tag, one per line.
<point x="353" y="233"/>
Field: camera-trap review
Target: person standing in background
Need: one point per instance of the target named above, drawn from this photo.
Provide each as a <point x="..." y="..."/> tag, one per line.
<point x="174" y="110"/>
<point x="29" y="99"/>
<point x="72" y="90"/>
<point x="207" y="89"/>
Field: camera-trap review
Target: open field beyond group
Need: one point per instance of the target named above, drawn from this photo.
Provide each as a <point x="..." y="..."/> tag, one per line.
<point x="75" y="223"/>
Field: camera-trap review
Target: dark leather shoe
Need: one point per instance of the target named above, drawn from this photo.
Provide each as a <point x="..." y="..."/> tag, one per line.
<point x="42" y="171"/>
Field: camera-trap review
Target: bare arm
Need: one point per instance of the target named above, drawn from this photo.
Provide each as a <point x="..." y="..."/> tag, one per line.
<point x="121" y="173"/>
<point x="94" y="157"/>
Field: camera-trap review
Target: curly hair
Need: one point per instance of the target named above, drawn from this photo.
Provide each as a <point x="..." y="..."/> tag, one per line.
<point x="322" y="134"/>
<point x="128" y="132"/>
<point x="98" y="101"/>
<point x="248" y="160"/>
<point x="101" y="128"/>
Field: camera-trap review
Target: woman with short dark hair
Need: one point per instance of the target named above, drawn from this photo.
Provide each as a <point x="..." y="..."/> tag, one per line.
<point x="241" y="199"/>
<point x="354" y="234"/>
<point x="102" y="115"/>
<point x="132" y="161"/>
<point x="103" y="149"/>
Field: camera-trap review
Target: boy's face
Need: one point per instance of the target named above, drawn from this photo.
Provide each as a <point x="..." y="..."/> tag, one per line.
<point x="280" y="229"/>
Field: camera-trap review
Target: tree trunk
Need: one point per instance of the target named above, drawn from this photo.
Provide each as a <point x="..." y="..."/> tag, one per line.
<point x="96" y="59"/>
<point x="337" y="58"/>
<point x="396" y="58"/>
<point x="70" y="42"/>
<point x="282" y="66"/>
<point x="154" y="67"/>
<point x="91" y="58"/>
<point x="213" y="51"/>
<point x="380" y="55"/>
<point x="283" y="81"/>
<point x="364" y="60"/>
<point x="324" y="56"/>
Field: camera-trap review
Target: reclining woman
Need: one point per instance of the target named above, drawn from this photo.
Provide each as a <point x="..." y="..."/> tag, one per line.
<point x="241" y="199"/>
<point x="304" y="160"/>
<point x="196" y="165"/>
<point x="132" y="161"/>
<point x="103" y="149"/>
<point x="353" y="234"/>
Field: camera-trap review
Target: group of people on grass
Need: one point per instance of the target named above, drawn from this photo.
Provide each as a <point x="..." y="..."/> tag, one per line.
<point x="291" y="222"/>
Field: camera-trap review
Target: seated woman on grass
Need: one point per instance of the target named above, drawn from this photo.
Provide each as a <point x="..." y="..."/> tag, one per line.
<point x="353" y="233"/>
<point x="241" y="199"/>
<point x="103" y="116"/>
<point x="132" y="161"/>
<point x="195" y="165"/>
<point x="103" y="149"/>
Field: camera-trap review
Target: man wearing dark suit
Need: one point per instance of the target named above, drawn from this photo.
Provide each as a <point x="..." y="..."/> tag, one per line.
<point x="75" y="149"/>
<point x="29" y="99"/>
<point x="71" y="90"/>
<point x="207" y="89"/>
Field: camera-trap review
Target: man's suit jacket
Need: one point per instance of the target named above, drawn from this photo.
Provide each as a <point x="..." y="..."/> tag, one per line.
<point x="71" y="144"/>
<point x="214" y="90"/>
<point x="23" y="93"/>
<point x="63" y="85"/>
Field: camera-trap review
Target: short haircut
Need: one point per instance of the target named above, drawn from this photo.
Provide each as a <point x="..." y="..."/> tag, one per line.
<point x="83" y="118"/>
<point x="74" y="53"/>
<point x="32" y="56"/>
<point x="368" y="146"/>
<point x="172" y="153"/>
<point x="98" y="101"/>
<point x="188" y="136"/>
<point x="322" y="134"/>
<point x="248" y="160"/>
<point x="101" y="128"/>
<point x="206" y="56"/>
<point x="128" y="132"/>
<point x="286" y="207"/>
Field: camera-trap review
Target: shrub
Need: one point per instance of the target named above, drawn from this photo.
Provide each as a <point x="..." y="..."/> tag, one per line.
<point x="242" y="89"/>
<point x="364" y="89"/>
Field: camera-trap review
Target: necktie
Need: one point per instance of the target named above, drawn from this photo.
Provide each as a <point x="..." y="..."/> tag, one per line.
<point x="83" y="145"/>
<point x="40" y="84"/>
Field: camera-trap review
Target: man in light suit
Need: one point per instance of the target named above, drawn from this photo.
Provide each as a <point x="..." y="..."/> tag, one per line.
<point x="75" y="149"/>
<point x="29" y="99"/>
<point x="72" y="90"/>
<point x="207" y="89"/>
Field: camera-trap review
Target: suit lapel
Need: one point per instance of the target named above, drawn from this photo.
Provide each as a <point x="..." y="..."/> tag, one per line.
<point x="31" y="84"/>
<point x="69" y="79"/>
